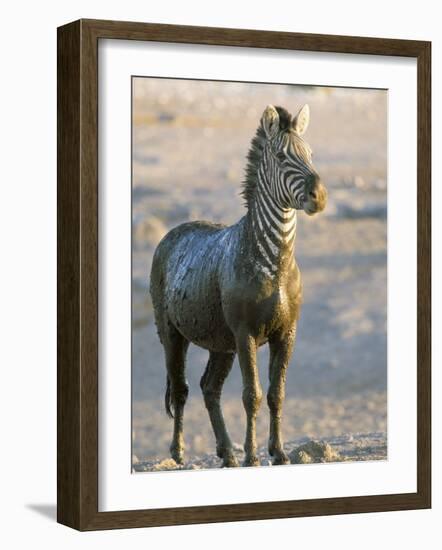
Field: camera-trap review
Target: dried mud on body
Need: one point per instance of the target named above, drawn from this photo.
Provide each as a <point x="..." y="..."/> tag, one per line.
<point x="190" y="141"/>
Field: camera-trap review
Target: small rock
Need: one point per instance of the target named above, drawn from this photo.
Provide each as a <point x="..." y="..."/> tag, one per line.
<point x="166" y="464"/>
<point x="302" y="458"/>
<point x="313" y="451"/>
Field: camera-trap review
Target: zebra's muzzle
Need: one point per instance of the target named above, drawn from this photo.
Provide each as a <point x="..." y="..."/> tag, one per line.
<point x="316" y="196"/>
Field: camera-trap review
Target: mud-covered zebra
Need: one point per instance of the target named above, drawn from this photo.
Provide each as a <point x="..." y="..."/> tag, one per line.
<point x="231" y="289"/>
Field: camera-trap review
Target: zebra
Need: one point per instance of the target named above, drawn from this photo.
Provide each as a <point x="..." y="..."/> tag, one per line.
<point x="232" y="289"/>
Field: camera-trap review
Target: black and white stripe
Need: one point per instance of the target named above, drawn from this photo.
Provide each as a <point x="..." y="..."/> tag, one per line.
<point x="280" y="190"/>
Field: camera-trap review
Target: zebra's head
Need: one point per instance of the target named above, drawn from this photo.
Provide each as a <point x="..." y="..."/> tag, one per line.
<point x="293" y="180"/>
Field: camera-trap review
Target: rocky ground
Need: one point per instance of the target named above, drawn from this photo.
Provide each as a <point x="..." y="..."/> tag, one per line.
<point x="350" y="447"/>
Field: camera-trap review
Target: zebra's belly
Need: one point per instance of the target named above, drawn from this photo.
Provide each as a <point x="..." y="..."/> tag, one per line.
<point x="201" y="321"/>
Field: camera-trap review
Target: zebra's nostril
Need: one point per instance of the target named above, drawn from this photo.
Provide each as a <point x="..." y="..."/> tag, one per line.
<point x="313" y="195"/>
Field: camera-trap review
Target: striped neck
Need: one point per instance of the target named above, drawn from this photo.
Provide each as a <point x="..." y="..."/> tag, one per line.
<point x="273" y="230"/>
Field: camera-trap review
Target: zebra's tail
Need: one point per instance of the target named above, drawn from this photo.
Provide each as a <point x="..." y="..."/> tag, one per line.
<point x="168" y="400"/>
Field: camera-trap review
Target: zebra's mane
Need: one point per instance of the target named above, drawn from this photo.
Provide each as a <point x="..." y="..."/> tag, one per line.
<point x="255" y="154"/>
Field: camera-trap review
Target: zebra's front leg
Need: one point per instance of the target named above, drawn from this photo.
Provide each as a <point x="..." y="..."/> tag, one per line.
<point x="281" y="348"/>
<point x="252" y="394"/>
<point x="217" y="370"/>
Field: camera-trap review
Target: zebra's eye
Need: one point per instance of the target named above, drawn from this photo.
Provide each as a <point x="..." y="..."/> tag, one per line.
<point x="280" y="156"/>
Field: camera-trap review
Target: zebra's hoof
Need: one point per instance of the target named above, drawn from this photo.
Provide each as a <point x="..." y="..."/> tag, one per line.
<point x="251" y="461"/>
<point x="281" y="460"/>
<point x="230" y="462"/>
<point x="178" y="456"/>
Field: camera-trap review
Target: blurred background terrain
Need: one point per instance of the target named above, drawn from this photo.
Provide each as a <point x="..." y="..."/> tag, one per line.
<point x="190" y="140"/>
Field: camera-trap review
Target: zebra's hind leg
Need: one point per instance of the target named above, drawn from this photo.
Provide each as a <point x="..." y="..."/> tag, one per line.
<point x="217" y="370"/>
<point x="175" y="347"/>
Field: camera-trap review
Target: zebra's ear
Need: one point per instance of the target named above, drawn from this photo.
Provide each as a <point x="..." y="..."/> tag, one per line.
<point x="270" y="121"/>
<point x="301" y="120"/>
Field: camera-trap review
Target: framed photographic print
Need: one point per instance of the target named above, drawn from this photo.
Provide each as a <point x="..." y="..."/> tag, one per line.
<point x="243" y="274"/>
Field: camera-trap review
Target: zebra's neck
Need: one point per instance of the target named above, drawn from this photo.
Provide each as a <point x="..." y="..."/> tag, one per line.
<point x="273" y="230"/>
